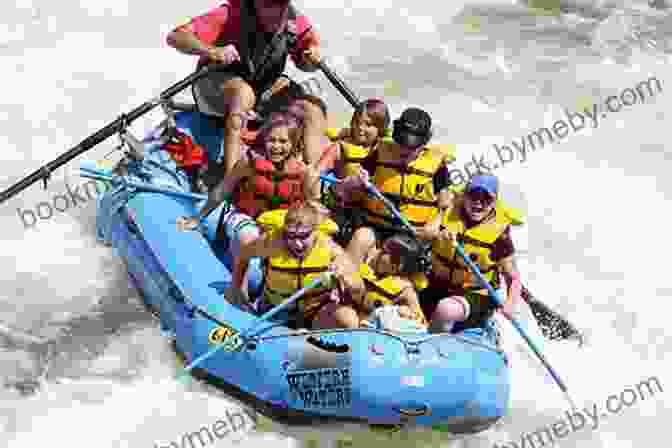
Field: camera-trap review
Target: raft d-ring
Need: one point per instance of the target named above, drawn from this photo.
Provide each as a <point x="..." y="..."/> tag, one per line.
<point x="412" y="347"/>
<point x="414" y="410"/>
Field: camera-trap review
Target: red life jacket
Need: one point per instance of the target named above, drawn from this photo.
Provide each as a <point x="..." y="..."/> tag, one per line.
<point x="269" y="188"/>
<point x="185" y="151"/>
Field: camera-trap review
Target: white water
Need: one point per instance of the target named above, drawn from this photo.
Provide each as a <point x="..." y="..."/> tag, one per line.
<point x="488" y="72"/>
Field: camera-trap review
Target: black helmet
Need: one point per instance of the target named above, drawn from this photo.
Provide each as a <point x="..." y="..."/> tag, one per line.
<point x="409" y="250"/>
<point x="413" y="128"/>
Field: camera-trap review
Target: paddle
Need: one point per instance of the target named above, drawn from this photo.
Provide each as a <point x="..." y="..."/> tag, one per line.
<point x="44" y="173"/>
<point x="515" y="323"/>
<point x="486" y="284"/>
<point x="553" y="325"/>
<point x="322" y="279"/>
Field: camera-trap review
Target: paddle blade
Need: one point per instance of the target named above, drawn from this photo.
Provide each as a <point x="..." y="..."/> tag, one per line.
<point x="553" y="326"/>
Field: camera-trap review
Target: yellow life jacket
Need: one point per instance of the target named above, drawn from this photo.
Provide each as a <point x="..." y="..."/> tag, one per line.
<point x="379" y="291"/>
<point x="286" y="274"/>
<point x="477" y="243"/>
<point x="385" y="290"/>
<point x="351" y="155"/>
<point x="411" y="186"/>
<point x="274" y="220"/>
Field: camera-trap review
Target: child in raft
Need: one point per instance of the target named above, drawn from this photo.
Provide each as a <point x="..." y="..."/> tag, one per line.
<point x="368" y="126"/>
<point x="299" y="107"/>
<point x="391" y="275"/>
<point x="257" y="185"/>
<point x="294" y="256"/>
<point x="409" y="171"/>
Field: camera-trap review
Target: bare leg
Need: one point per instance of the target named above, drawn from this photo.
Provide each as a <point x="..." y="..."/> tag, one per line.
<point x="336" y="316"/>
<point x="314" y="126"/>
<point x="240" y="99"/>
<point x="449" y="310"/>
<point x="363" y="240"/>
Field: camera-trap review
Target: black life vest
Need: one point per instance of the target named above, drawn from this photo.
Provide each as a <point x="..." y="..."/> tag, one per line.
<point x="262" y="61"/>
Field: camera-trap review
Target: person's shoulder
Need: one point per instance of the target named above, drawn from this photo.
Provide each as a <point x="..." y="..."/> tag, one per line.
<point x="444" y="151"/>
<point x="225" y="6"/>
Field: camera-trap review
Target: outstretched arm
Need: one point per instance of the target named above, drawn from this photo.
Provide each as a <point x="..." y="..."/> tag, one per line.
<point x="347" y="273"/>
<point x="307" y="52"/>
<point x="224" y="189"/>
<point x="262" y="247"/>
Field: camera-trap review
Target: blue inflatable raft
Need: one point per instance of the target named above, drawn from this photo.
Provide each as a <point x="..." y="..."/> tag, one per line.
<point x="458" y="383"/>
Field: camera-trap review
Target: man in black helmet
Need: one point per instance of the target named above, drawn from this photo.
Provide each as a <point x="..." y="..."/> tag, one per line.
<point x="412" y="174"/>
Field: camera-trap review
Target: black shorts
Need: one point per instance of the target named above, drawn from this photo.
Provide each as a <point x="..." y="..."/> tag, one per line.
<point x="481" y="306"/>
<point x="211" y="102"/>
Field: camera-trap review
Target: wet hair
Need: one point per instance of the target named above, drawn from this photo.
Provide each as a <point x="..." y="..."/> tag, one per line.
<point x="377" y="110"/>
<point x="277" y="120"/>
<point x="305" y="211"/>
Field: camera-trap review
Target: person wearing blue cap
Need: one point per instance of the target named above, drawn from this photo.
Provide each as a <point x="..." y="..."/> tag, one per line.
<point x="455" y="300"/>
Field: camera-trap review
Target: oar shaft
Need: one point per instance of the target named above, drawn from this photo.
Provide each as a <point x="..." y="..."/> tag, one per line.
<point x="339" y="84"/>
<point x="101" y="135"/>
<point x="375" y="192"/>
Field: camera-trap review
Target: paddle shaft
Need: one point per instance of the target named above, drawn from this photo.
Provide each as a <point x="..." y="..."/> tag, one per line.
<point x="375" y="192"/>
<point x="267" y="315"/>
<point x="116" y="126"/>
<point x="339" y="84"/>
<point x="493" y="295"/>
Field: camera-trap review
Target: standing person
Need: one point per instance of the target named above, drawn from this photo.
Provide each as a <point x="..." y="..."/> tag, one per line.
<point x="254" y="38"/>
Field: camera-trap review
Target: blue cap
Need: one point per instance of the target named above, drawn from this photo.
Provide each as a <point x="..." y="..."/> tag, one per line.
<point x="483" y="182"/>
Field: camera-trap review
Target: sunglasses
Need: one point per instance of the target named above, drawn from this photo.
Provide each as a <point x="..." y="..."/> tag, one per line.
<point x="482" y="197"/>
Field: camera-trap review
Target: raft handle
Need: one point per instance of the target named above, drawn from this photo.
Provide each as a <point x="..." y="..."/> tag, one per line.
<point x="130" y="223"/>
<point x="414" y="411"/>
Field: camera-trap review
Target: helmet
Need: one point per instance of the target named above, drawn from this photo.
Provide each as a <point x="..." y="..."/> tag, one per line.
<point x="411" y="252"/>
<point x="413" y="128"/>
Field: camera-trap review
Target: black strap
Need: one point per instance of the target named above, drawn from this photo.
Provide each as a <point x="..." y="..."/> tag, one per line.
<point x="388" y="295"/>
<point x="301" y="270"/>
<point x="405" y="169"/>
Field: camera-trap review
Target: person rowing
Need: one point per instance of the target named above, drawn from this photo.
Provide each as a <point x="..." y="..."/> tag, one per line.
<point x="254" y="38"/>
